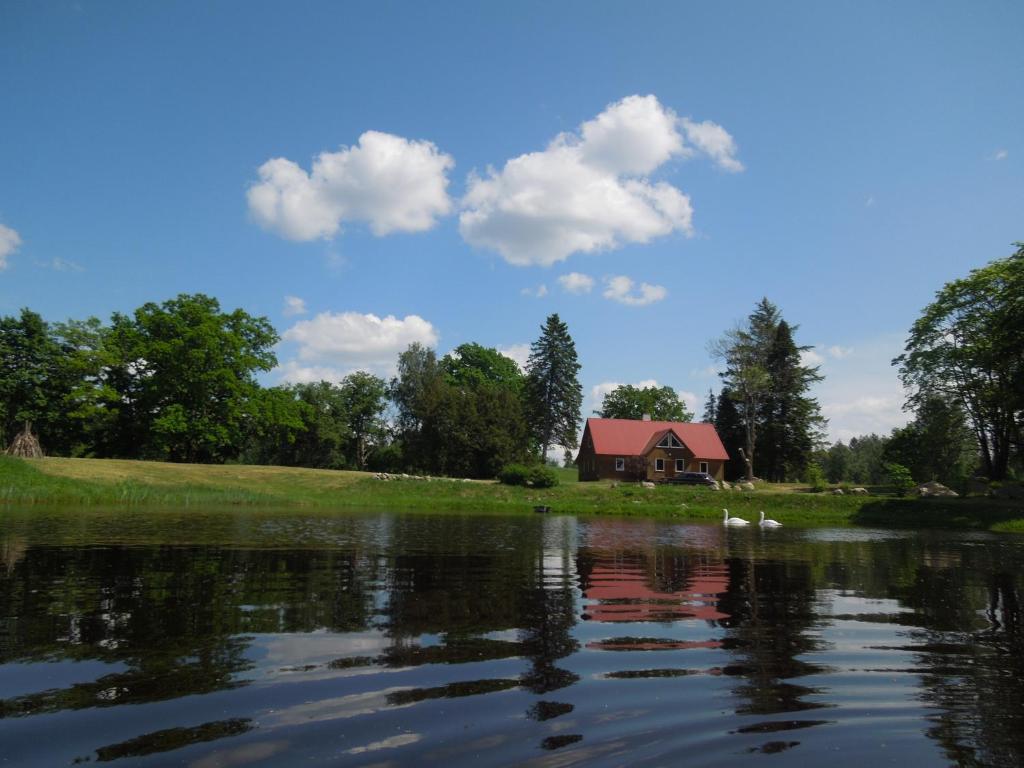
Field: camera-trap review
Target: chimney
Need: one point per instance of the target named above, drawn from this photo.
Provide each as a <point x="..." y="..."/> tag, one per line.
<point x="647" y="417"/>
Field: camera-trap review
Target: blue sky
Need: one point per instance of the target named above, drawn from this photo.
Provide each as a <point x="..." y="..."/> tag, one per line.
<point x="453" y="172"/>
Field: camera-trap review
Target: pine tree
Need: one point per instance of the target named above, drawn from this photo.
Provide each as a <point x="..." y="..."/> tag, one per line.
<point x="554" y="395"/>
<point x="710" y="408"/>
<point x="730" y="429"/>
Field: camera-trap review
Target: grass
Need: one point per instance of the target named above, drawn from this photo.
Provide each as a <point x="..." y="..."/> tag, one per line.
<point x="103" y="482"/>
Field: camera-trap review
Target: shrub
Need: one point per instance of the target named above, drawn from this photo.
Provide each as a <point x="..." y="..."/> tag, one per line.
<point x="901" y="479"/>
<point x="816" y="478"/>
<point x="543" y="477"/>
<point x="514" y="474"/>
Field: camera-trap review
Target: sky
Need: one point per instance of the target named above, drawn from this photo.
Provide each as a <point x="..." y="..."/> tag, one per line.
<point x="368" y="175"/>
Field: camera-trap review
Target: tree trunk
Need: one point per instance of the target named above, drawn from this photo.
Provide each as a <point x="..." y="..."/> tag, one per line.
<point x="25" y="444"/>
<point x="749" y="465"/>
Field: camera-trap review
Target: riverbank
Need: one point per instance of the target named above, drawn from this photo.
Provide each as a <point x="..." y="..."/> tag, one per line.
<point x="108" y="482"/>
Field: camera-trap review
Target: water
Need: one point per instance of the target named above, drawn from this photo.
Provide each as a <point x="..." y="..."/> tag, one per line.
<point x="275" y="639"/>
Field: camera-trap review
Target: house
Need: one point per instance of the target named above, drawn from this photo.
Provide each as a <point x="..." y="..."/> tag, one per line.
<point x="627" y="449"/>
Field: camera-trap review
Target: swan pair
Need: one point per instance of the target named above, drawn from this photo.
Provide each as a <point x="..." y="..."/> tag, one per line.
<point x="726" y="520"/>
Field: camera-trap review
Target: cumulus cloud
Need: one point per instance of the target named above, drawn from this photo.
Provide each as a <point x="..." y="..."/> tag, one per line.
<point x="810" y="358"/>
<point x="1001" y="154"/>
<point x="621" y="289"/>
<point x="518" y="352"/>
<point x="713" y="140"/>
<point x="9" y="242"/>
<point x="537" y="293"/>
<point x="588" y="191"/>
<point x="293" y="305"/>
<point x="348" y="341"/>
<point x="575" y="282"/>
<point x="293" y="372"/>
<point x="391" y="183"/>
<point x="839" y="352"/>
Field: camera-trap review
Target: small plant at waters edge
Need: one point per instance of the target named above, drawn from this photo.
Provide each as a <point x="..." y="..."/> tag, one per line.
<point x="900" y="477"/>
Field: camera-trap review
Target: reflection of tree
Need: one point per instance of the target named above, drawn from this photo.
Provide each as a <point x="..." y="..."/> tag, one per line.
<point x="176" y="617"/>
<point x="771" y="612"/>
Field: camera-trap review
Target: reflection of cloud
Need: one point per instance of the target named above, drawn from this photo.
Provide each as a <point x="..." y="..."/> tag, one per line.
<point x="392" y="742"/>
<point x="243" y="755"/>
<point x="339" y="708"/>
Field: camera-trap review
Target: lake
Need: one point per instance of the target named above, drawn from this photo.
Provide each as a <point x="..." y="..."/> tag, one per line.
<point x="247" y="638"/>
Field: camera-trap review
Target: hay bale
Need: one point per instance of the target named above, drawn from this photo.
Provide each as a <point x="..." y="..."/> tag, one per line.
<point x="26" y="445"/>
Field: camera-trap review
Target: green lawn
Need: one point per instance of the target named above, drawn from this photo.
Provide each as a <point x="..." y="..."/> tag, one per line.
<point x="105" y="482"/>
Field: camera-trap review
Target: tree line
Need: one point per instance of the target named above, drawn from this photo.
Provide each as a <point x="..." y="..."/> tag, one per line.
<point x="177" y="381"/>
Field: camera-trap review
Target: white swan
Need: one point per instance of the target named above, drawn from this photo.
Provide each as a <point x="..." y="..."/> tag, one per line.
<point x="769" y="523"/>
<point x="726" y="520"/>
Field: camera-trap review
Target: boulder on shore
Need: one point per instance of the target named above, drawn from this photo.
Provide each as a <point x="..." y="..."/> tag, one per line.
<point x="859" y="491"/>
<point x="936" y="489"/>
<point x="838" y="492"/>
<point x="647" y="484"/>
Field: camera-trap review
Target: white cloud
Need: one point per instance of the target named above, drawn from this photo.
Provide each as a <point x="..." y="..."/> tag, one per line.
<point x="391" y="183"/>
<point x="348" y="341"/>
<point x="870" y="202"/>
<point x="537" y="293"/>
<point x="589" y="191"/>
<point x="9" y="242"/>
<point x="864" y="415"/>
<point x="715" y="141"/>
<point x="710" y="371"/>
<point x="518" y="352"/>
<point x="293" y="372"/>
<point x="1001" y="154"/>
<point x="693" y="403"/>
<point x="293" y="305"/>
<point x="839" y="352"/>
<point x="57" y="264"/>
<point x="620" y="289"/>
<point x="575" y="282"/>
<point x="810" y="358"/>
<point x="598" y="391"/>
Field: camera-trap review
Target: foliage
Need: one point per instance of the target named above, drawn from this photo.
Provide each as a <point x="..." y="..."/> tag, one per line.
<point x="768" y="383"/>
<point x="936" y="445"/>
<point x="966" y="345"/>
<point x="514" y="474"/>
<point x="710" y="408"/>
<point x="815" y="478"/>
<point x="629" y="402"/>
<point x="554" y="396"/>
<point x="900" y="478"/>
<point x="731" y="432"/>
<point x="362" y="402"/>
<point x="542" y="477"/>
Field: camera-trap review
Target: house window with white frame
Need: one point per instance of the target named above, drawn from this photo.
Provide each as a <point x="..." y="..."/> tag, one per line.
<point x="703" y="466"/>
<point x="620" y="465"/>
<point x="659" y="465"/>
<point x="680" y="465"/>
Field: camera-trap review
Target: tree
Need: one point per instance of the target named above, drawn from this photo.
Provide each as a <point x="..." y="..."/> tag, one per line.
<point x="764" y="377"/>
<point x="936" y="445"/>
<point x="554" y="397"/>
<point x="791" y="421"/>
<point x="730" y="429"/>
<point x="362" y="402"/>
<point x="186" y="378"/>
<point x="629" y="402"/>
<point x="710" y="408"/>
<point x="966" y="345"/>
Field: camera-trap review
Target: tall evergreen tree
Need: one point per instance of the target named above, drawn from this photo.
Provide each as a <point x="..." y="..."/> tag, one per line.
<point x="710" y="408"/>
<point x="730" y="429"/>
<point x="554" y="396"/>
<point x="768" y="385"/>
<point x="791" y="421"/>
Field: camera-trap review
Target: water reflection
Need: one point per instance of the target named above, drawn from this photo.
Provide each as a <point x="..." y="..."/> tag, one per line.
<point x="240" y="640"/>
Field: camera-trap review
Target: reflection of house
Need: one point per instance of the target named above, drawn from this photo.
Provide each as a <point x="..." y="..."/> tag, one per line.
<point x="627" y="449"/>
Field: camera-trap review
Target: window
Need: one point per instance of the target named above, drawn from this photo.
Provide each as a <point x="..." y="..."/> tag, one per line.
<point x="659" y="465"/>
<point x="620" y="465"/>
<point x="703" y="466"/>
<point x="680" y="465"/>
<point x="670" y="441"/>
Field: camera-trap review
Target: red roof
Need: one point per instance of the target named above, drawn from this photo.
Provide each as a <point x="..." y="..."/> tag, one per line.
<point x="629" y="437"/>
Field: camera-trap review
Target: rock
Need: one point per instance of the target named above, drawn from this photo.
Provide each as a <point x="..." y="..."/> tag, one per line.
<point x="859" y="491"/>
<point x="1009" y="492"/>
<point x="932" y="489"/>
<point x="647" y="484"/>
<point x="838" y="492"/>
<point x="747" y="486"/>
<point x="977" y="486"/>
<point x="714" y="487"/>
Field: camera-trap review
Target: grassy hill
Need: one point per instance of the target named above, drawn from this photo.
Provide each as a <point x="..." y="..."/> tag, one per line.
<point x="106" y="482"/>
